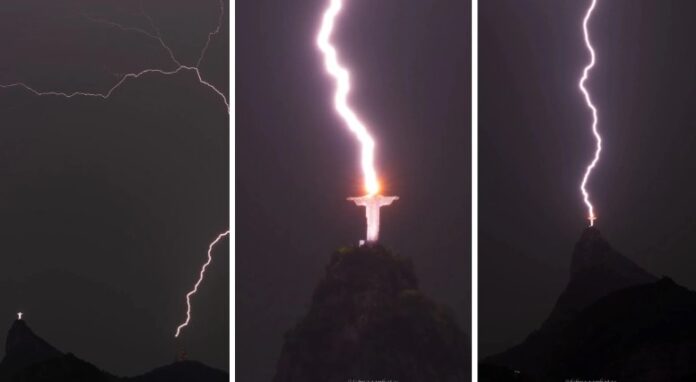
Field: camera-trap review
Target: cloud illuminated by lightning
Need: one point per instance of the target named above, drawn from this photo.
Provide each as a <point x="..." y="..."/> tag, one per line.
<point x="201" y="275"/>
<point x="585" y="73"/>
<point x="342" y="78"/>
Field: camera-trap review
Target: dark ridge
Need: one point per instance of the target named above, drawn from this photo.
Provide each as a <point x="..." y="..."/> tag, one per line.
<point x="596" y="270"/>
<point x="63" y="368"/>
<point x="593" y="252"/>
<point x="183" y="371"/>
<point x="29" y="358"/>
<point x="369" y="321"/>
<point x="24" y="348"/>
<point x="614" y="321"/>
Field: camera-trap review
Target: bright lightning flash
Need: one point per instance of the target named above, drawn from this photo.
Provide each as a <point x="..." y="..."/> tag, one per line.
<point x="372" y="201"/>
<point x="585" y="73"/>
<point x="342" y="78"/>
<point x="201" y="275"/>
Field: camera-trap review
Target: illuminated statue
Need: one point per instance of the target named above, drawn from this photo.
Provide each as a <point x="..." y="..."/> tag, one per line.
<point x="372" y="204"/>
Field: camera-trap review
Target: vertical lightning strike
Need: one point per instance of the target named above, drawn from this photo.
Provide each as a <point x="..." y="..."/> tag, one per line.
<point x="201" y="275"/>
<point x="342" y="78"/>
<point x="585" y="73"/>
<point x="128" y="76"/>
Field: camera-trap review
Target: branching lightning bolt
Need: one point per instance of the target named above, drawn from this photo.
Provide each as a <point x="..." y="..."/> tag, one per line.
<point x="585" y="73"/>
<point x="211" y="35"/>
<point x="342" y="78"/>
<point x="201" y="275"/>
<point x="180" y="67"/>
<point x="132" y="76"/>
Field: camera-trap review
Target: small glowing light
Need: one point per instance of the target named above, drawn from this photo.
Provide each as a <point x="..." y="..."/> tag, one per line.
<point x="19" y="315"/>
<point x="342" y="78"/>
<point x="585" y="73"/>
<point x="374" y="190"/>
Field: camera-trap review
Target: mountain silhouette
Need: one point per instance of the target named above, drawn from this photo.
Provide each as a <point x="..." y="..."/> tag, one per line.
<point x="65" y="367"/>
<point x="596" y="269"/>
<point x="183" y="371"/>
<point x="369" y="321"/>
<point x="29" y="358"/>
<point x="614" y="321"/>
<point x="24" y="348"/>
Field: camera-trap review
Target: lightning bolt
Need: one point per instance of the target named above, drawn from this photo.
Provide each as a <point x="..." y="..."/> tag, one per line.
<point x="211" y="35"/>
<point x="201" y="275"/>
<point x="342" y="78"/>
<point x="133" y="76"/>
<point x="585" y="74"/>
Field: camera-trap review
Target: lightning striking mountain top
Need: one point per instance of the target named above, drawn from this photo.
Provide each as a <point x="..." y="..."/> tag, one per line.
<point x="598" y="139"/>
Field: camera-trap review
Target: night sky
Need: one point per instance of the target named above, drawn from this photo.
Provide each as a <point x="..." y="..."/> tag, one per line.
<point x="296" y="162"/>
<point x="107" y="206"/>
<point x="535" y="143"/>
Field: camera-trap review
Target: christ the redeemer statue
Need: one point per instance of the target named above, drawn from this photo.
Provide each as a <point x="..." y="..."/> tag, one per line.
<point x="372" y="204"/>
